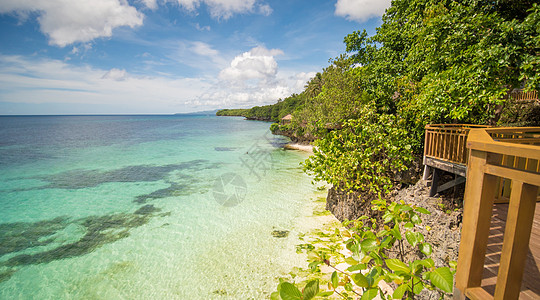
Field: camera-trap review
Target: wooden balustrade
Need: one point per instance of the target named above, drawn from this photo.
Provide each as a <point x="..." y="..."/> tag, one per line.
<point x="495" y="153"/>
<point x="448" y="142"/>
<point x="445" y="150"/>
<point x="520" y="95"/>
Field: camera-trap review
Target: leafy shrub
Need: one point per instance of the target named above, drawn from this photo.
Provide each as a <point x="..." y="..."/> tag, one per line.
<point x="364" y="155"/>
<point x="370" y="263"/>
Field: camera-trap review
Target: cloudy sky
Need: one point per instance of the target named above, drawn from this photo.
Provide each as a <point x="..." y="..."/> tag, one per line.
<point x="167" y="56"/>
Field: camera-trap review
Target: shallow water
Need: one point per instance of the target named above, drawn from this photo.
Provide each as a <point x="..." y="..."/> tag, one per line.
<point x="146" y="207"/>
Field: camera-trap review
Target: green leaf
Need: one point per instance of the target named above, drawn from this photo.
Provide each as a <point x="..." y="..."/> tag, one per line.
<point x="334" y="279"/>
<point x="418" y="285"/>
<point x="426" y="248"/>
<point x="397" y="266"/>
<point x="311" y="289"/>
<point x="275" y="296"/>
<point x="411" y="238"/>
<point x="325" y="293"/>
<point x="370" y="294"/>
<point x="351" y="261"/>
<point x="404" y="208"/>
<point x="442" y="278"/>
<point x="368" y="245"/>
<point x="400" y="291"/>
<point x="395" y="232"/>
<point x="356" y="267"/>
<point x="289" y="292"/>
<point x="416" y="219"/>
<point x="423" y="210"/>
<point x="360" y="280"/>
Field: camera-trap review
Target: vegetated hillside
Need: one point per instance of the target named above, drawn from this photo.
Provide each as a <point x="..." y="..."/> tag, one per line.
<point x="429" y="62"/>
<point x="234" y="112"/>
<point x="273" y="112"/>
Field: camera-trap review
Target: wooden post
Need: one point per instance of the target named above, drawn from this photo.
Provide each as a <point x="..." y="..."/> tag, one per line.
<point x="516" y="240"/>
<point x="426" y="172"/>
<point x="478" y="206"/>
<point x="435" y="182"/>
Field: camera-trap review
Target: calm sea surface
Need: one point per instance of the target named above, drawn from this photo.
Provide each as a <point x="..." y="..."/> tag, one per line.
<point x="147" y="207"/>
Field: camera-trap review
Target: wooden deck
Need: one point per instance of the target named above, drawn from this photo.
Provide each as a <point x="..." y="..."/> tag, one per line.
<point x="501" y="239"/>
<point x="530" y="287"/>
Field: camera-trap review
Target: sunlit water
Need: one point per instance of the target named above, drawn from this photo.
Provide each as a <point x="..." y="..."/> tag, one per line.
<point x="143" y="207"/>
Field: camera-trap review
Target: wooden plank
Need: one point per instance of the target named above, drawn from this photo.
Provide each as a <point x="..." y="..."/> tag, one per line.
<point x="435" y="182"/>
<point x="524" y="176"/>
<point x="516" y="240"/>
<point x="528" y="151"/>
<point x="451" y="184"/>
<point x="478" y="203"/>
<point x="454" y="168"/>
<point x="478" y="293"/>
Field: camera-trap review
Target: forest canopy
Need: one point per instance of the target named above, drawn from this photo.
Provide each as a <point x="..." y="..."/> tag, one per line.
<point x="429" y="62"/>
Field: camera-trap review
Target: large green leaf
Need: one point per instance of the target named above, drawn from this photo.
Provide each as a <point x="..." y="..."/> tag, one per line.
<point x="368" y="245"/>
<point x="357" y="267"/>
<point x="422" y="210"/>
<point x="325" y="293"/>
<point x="442" y="278"/>
<point x="395" y="232"/>
<point x="397" y="265"/>
<point x="370" y="294"/>
<point x="426" y="249"/>
<point x="311" y="289"/>
<point x="412" y="238"/>
<point x="400" y="291"/>
<point x="360" y="280"/>
<point x="289" y="292"/>
<point x="335" y="279"/>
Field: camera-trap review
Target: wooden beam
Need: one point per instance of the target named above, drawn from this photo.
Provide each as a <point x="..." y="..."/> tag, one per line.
<point x="478" y="293"/>
<point x="516" y="240"/>
<point x="528" y="177"/>
<point x="479" y="139"/>
<point x="454" y="168"/>
<point x="478" y="205"/>
<point x="435" y="182"/>
<point x="451" y="184"/>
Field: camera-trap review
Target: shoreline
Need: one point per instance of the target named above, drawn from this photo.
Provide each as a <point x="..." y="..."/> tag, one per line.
<point x="297" y="146"/>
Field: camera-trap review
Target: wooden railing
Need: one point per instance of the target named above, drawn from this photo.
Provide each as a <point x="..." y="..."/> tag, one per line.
<point x="513" y="154"/>
<point x="448" y="142"/>
<point x="520" y="95"/>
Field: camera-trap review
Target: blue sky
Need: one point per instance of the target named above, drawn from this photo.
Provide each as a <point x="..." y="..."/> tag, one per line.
<point x="167" y="56"/>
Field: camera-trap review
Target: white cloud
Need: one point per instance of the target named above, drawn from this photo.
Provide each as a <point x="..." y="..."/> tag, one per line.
<point x="203" y="49"/>
<point x="253" y="78"/>
<point x="224" y="9"/>
<point x="300" y="80"/>
<point x="361" y="10"/>
<point x="265" y="9"/>
<point x="67" y="22"/>
<point x="115" y="74"/>
<point x="152" y="4"/>
<point x="43" y="81"/>
<point x="256" y="80"/>
<point x="258" y="63"/>
<point x="202" y="28"/>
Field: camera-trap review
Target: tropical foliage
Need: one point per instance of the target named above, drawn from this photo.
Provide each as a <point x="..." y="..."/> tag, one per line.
<point x="272" y="112"/>
<point x="377" y="253"/>
<point x="429" y="62"/>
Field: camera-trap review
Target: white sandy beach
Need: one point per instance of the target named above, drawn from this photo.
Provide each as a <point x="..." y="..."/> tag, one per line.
<point x="297" y="146"/>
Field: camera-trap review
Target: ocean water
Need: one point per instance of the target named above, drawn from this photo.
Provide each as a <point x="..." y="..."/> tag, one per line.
<point x="147" y="207"/>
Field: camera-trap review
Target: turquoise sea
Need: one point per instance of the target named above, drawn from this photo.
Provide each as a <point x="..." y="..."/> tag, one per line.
<point x="147" y="207"/>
